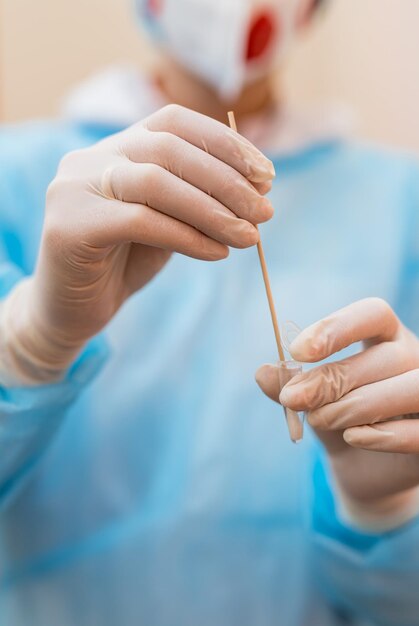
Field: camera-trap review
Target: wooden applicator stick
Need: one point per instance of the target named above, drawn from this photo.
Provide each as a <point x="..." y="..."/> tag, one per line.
<point x="295" y="425"/>
<point x="233" y="125"/>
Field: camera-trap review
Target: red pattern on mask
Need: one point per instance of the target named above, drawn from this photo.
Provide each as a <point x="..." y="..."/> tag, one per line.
<point x="155" y="7"/>
<point x="263" y="29"/>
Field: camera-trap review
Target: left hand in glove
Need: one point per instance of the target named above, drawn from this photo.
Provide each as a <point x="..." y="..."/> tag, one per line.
<point x="364" y="408"/>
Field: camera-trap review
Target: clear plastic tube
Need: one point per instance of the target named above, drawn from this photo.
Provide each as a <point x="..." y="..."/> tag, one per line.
<point x="295" y="421"/>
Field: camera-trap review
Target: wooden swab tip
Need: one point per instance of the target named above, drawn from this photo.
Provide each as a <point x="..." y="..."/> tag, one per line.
<point x="232" y="120"/>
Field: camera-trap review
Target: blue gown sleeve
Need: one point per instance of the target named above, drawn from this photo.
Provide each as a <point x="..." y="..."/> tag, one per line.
<point x="29" y="417"/>
<point x="408" y="297"/>
<point x="374" y="578"/>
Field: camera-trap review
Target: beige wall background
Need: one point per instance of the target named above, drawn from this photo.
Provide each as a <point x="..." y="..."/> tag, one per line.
<point x="363" y="52"/>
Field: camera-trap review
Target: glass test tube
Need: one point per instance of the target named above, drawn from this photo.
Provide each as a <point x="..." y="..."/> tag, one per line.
<point x="295" y="421"/>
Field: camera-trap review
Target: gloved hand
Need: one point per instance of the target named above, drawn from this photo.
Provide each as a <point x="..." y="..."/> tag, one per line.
<point x="176" y="182"/>
<point x="364" y="409"/>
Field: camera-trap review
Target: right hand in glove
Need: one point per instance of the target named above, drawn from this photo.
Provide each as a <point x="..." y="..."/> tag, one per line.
<point x="176" y="182"/>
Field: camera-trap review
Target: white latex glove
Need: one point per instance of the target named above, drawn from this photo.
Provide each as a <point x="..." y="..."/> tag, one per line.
<point x="364" y="409"/>
<point x="176" y="182"/>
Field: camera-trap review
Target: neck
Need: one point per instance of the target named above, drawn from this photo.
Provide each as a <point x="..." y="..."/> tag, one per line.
<point x="178" y="86"/>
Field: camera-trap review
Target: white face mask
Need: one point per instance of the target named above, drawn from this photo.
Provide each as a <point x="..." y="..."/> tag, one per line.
<point x="227" y="43"/>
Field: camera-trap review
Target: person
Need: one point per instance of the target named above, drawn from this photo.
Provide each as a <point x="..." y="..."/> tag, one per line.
<point x="144" y="478"/>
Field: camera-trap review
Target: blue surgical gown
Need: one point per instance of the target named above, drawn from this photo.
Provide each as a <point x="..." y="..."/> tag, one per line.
<point x="156" y="485"/>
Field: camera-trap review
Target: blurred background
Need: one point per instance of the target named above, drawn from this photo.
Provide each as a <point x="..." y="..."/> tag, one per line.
<point x="361" y="52"/>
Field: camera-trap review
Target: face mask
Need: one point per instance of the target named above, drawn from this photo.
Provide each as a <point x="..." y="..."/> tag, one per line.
<point x="227" y="43"/>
